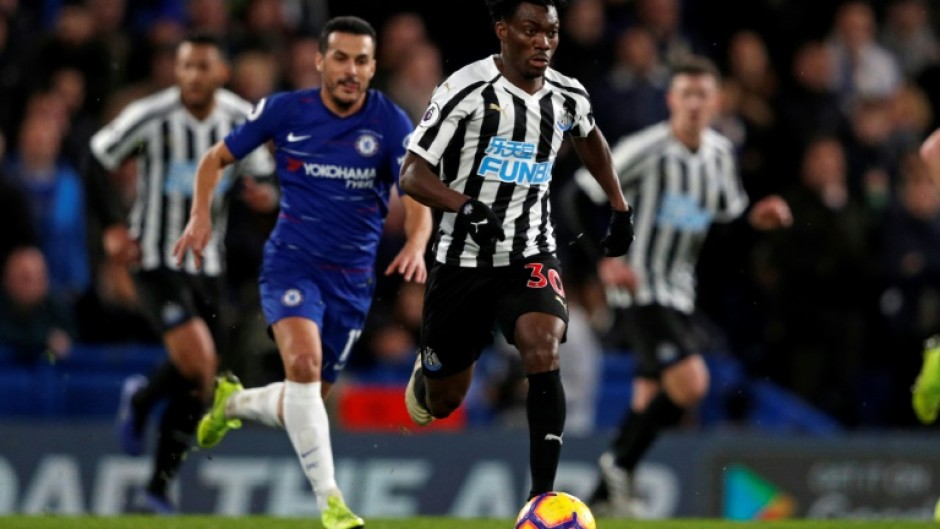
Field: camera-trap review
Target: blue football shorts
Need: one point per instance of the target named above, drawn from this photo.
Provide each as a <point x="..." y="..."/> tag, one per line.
<point x="336" y="298"/>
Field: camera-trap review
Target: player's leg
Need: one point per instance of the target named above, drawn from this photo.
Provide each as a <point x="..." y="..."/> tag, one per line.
<point x="537" y="337"/>
<point x="456" y="325"/>
<point x="926" y="390"/>
<point x="191" y="342"/>
<point x="139" y="395"/>
<point x="614" y="493"/>
<point x="305" y="417"/>
<point x="169" y="300"/>
<point x="668" y="354"/>
<point x="533" y="315"/>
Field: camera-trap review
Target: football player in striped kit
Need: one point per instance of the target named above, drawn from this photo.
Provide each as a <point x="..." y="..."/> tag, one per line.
<point x="681" y="176"/>
<point x="482" y="157"/>
<point x="165" y="134"/>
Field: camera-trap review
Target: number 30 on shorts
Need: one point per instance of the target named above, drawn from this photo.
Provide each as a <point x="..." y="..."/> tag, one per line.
<point x="538" y="279"/>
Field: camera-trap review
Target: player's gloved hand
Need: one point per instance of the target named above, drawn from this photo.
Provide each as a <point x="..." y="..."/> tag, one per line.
<point x="480" y="222"/>
<point x="619" y="233"/>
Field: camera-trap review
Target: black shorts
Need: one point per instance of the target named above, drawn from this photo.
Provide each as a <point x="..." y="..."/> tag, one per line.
<point x="169" y="299"/>
<point x="461" y="306"/>
<point x="661" y="337"/>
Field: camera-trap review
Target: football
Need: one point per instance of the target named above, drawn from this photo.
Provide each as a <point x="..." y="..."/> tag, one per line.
<point x="555" y="510"/>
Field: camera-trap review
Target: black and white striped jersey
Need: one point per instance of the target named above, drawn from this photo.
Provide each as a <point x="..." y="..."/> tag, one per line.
<point x="494" y="142"/>
<point x="676" y="195"/>
<point x="168" y="142"/>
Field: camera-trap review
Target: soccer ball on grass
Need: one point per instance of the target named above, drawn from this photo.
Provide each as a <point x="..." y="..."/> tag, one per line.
<point x="555" y="510"/>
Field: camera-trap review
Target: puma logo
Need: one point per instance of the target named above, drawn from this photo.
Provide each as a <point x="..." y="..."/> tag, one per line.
<point x="494" y="106"/>
<point x="553" y="437"/>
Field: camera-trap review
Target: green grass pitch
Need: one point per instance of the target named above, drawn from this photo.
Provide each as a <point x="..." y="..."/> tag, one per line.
<point x="261" y="522"/>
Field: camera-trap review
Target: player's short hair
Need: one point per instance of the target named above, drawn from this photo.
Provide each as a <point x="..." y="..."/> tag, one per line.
<point x="346" y="24"/>
<point x="695" y="65"/>
<point x="505" y="9"/>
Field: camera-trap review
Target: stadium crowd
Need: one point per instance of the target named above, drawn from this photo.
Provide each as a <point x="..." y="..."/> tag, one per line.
<point x="826" y="103"/>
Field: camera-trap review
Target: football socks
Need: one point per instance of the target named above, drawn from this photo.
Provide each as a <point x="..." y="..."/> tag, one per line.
<point x="545" y="409"/>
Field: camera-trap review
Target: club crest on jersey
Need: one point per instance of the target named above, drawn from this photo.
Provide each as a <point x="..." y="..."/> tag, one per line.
<point x="430" y="360"/>
<point x="367" y="144"/>
<point x="565" y="121"/>
<point x="431" y="115"/>
<point x="292" y="297"/>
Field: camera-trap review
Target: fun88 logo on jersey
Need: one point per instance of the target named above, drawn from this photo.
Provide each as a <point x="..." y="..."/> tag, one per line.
<point x="514" y="161"/>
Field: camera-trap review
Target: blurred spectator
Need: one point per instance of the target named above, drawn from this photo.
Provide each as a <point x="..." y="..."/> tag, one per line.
<point x="68" y="85"/>
<point x="910" y="302"/>
<point x="56" y="198"/>
<point x="75" y="45"/>
<point x="663" y="18"/>
<point x="13" y="74"/>
<point x="210" y="17"/>
<point x="300" y="72"/>
<point x="911" y="116"/>
<point x="808" y="107"/>
<point x="585" y="54"/>
<point x="413" y="83"/>
<point x="633" y="93"/>
<point x="399" y="35"/>
<point x="749" y="91"/>
<point x="107" y="17"/>
<point x="818" y="276"/>
<point x="254" y="75"/>
<point x="862" y="68"/>
<point x="908" y="35"/>
<point x="305" y="16"/>
<point x="16" y="218"/>
<point x="33" y="321"/>
<point x="265" y="27"/>
<point x="870" y="160"/>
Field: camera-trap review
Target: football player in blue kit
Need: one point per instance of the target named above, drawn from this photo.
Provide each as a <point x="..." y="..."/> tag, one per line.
<point x="338" y="151"/>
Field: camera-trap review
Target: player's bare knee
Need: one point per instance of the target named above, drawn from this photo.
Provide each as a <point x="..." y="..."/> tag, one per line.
<point x="302" y="367"/>
<point x="541" y="359"/>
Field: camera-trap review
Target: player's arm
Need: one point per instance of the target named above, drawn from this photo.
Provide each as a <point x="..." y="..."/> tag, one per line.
<point x="419" y="181"/>
<point x="930" y="153"/>
<point x="199" y="228"/>
<point x="476" y="218"/>
<point x="595" y="155"/>
<point x="410" y="260"/>
<point x="109" y="148"/>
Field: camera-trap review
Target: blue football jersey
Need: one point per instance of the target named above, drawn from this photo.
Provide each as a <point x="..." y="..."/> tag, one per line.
<point x="335" y="173"/>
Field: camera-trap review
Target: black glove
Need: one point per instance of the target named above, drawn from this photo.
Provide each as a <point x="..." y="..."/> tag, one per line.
<point x="480" y="222"/>
<point x="619" y="233"/>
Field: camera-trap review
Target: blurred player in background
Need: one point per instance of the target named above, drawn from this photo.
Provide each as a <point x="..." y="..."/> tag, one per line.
<point x="167" y="133"/>
<point x="339" y="151"/>
<point x="681" y="176"/>
<point x="482" y="156"/>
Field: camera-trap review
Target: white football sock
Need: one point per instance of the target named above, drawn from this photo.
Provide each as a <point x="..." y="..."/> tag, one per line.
<point x="309" y="430"/>
<point x="257" y="404"/>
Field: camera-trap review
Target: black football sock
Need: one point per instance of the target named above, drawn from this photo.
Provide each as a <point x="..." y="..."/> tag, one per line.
<point x="164" y="380"/>
<point x="176" y="430"/>
<point x="641" y="429"/>
<point x="627" y="430"/>
<point x="545" y="409"/>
